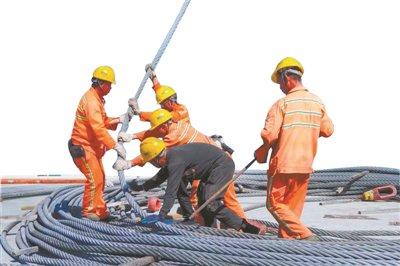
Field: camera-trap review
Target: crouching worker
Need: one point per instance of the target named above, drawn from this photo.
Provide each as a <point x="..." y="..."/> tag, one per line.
<point x="178" y="165"/>
<point x="180" y="133"/>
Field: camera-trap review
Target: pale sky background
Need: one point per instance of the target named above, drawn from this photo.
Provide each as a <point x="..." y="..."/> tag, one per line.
<point x="219" y="61"/>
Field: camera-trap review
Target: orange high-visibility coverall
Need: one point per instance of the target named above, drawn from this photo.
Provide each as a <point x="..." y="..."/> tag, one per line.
<point x="292" y="128"/>
<point x="90" y="131"/>
<point x="183" y="133"/>
<point x="179" y="112"/>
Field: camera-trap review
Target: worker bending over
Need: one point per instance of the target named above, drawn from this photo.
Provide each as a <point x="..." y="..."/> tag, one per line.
<point x="179" y="165"/>
<point x="90" y="140"/>
<point x="166" y="97"/>
<point x="176" y="134"/>
<point x="292" y="128"/>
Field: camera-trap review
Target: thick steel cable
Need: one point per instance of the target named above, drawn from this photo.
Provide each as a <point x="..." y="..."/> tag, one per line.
<point x="125" y="124"/>
<point x="119" y="242"/>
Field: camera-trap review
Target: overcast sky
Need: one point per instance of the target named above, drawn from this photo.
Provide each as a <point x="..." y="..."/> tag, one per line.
<point x="219" y="61"/>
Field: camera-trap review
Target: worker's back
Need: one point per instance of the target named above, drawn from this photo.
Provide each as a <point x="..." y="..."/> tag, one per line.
<point x="304" y="120"/>
<point x="181" y="133"/>
<point x="200" y="158"/>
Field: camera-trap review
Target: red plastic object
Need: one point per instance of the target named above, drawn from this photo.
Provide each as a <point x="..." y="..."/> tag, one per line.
<point x="380" y="193"/>
<point x="153" y="204"/>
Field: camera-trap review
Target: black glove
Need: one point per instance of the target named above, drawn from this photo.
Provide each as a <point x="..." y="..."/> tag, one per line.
<point x="134" y="186"/>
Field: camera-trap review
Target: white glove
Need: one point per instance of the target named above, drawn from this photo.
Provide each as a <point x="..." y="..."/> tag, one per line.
<point x="109" y="183"/>
<point x="148" y="68"/>
<point x="133" y="104"/>
<point x="125" y="137"/>
<point x="120" y="165"/>
<point x="122" y="118"/>
<point x="120" y="150"/>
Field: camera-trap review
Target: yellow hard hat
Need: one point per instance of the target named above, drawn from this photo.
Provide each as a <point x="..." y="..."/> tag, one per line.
<point x="163" y="93"/>
<point x="288" y="62"/>
<point x="159" y="117"/>
<point x="104" y="73"/>
<point x="150" y="148"/>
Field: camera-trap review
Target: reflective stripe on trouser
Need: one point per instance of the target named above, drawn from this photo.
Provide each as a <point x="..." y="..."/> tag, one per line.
<point x="230" y="199"/>
<point x="286" y="194"/>
<point x="93" y="202"/>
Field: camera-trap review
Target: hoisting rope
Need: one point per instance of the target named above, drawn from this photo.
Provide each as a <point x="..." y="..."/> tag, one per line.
<point x="128" y="115"/>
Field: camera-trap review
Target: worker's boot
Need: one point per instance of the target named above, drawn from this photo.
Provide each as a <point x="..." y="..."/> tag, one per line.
<point x="261" y="226"/>
<point x="110" y="218"/>
<point x="106" y="218"/>
<point x="247" y="227"/>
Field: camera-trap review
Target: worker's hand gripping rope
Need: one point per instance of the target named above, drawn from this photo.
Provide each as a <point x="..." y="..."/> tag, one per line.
<point x="120" y="150"/>
<point x="148" y="68"/>
<point x="134" y="109"/>
<point x="125" y="137"/>
<point x="122" y="164"/>
<point x="122" y="119"/>
<point x="134" y="106"/>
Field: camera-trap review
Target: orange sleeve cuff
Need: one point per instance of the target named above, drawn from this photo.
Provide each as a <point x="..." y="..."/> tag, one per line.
<point x="138" y="161"/>
<point x="112" y="126"/>
<point x="141" y="135"/>
<point x="145" y="116"/>
<point x="156" y="84"/>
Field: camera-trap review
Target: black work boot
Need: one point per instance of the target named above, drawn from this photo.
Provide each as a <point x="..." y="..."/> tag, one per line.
<point x="249" y="228"/>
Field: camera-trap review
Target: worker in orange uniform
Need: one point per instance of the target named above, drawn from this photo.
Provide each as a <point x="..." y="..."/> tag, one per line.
<point x="202" y="161"/>
<point x="166" y="97"/>
<point x="90" y="140"/>
<point x="292" y="128"/>
<point x="177" y="134"/>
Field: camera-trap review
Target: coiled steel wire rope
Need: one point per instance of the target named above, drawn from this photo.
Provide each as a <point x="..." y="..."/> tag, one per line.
<point x="64" y="239"/>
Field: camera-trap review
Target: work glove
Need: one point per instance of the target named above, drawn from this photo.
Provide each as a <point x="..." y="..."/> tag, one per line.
<point x="125" y="137"/>
<point x="154" y="218"/>
<point x="134" y="186"/>
<point x="120" y="165"/>
<point x="120" y="150"/>
<point x="261" y="154"/>
<point x="123" y="118"/>
<point x="133" y="104"/>
<point x="148" y="68"/>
